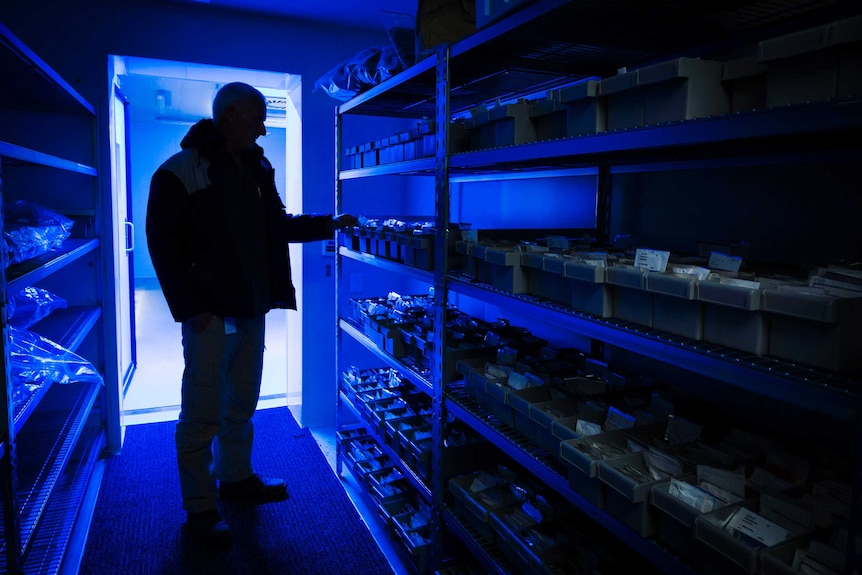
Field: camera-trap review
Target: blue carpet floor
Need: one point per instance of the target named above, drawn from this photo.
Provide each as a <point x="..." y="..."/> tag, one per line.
<point x="137" y="523"/>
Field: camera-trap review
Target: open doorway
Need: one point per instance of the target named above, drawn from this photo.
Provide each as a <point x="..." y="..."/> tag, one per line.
<point x="162" y="100"/>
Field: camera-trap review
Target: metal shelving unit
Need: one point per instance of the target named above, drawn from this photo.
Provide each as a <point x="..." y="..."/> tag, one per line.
<point x="53" y="439"/>
<point x="550" y="43"/>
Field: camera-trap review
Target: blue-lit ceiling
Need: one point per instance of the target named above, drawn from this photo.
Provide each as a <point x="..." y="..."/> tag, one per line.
<point x="368" y="14"/>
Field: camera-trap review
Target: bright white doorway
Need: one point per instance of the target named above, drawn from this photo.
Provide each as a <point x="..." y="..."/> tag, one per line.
<point x="164" y="99"/>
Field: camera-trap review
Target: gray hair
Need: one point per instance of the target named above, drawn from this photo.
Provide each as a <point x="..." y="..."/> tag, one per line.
<point x="232" y="94"/>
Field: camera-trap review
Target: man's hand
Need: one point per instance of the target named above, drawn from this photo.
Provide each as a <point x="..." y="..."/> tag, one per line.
<point x="344" y="221"/>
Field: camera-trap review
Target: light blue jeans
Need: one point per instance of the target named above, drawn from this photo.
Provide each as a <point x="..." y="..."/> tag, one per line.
<point x="220" y="391"/>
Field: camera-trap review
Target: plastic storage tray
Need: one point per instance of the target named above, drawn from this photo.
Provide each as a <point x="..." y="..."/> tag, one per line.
<point x="506" y="272"/>
<point x="545" y="276"/>
<point x="504" y="125"/>
<point x="675" y="308"/>
<point x="732" y="316"/>
<point x="818" y="330"/>
<point x="725" y="548"/>
<point x="627" y="500"/>
<point x="590" y="293"/>
<point x="631" y="300"/>
<point x="745" y="80"/>
<point x="584" y="469"/>
<point x="679" y="89"/>
<point x="586" y="112"/>
<point x="549" y="117"/>
<point x="676" y="523"/>
<point x="816" y="64"/>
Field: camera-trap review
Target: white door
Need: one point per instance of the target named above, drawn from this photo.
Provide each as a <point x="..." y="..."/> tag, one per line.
<point x="124" y="232"/>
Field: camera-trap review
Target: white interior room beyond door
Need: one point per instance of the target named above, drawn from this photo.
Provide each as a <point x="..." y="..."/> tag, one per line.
<point x="165" y="98"/>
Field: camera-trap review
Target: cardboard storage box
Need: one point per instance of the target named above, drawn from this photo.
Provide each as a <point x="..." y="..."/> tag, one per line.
<point x="506" y="271"/>
<point x="814" y="329"/>
<point x="813" y="65"/>
<point x="624" y="104"/>
<point x="503" y="125"/>
<point x="545" y="276"/>
<point x="679" y="89"/>
<point x="489" y="11"/>
<point x="631" y="301"/>
<point x="549" y="117"/>
<point x="675" y="308"/>
<point x="416" y="250"/>
<point x="732" y="316"/>
<point x="682" y="89"/>
<point x="586" y="112"/>
<point x="745" y="81"/>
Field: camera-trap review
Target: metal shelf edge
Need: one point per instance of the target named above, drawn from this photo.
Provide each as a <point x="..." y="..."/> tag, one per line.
<point x="837" y="404"/>
<point x="21" y="154"/>
<point x="50" y="262"/>
<point x="421" y="383"/>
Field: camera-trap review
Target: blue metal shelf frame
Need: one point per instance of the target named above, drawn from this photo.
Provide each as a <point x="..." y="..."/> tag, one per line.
<point x="514" y="58"/>
<point x="389" y="265"/>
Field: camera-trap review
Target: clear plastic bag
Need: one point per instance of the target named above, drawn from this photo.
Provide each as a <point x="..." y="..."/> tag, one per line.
<point x="32" y="304"/>
<point x="36" y="362"/>
<point x="364" y="70"/>
<point x="31" y="230"/>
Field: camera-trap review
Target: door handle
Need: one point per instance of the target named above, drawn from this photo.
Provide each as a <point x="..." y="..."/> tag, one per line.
<point x="130" y="236"/>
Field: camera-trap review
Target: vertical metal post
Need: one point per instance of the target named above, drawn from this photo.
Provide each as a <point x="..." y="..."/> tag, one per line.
<point x="8" y="456"/>
<point x="441" y="240"/>
<point x="604" y="190"/>
<point x="337" y="275"/>
<point x="854" y="553"/>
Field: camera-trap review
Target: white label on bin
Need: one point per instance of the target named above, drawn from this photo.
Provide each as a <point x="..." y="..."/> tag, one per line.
<point x="724" y="262"/>
<point x="652" y="260"/>
<point x="741" y="283"/>
<point x="755" y="529"/>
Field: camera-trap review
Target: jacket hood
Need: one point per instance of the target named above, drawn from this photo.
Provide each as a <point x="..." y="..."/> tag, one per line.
<point x="202" y="136"/>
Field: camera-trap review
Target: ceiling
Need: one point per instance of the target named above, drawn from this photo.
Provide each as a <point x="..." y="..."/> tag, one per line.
<point x="175" y="92"/>
<point x="368" y="14"/>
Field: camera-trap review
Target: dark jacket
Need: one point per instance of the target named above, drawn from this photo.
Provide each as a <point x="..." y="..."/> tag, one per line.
<point x="218" y="235"/>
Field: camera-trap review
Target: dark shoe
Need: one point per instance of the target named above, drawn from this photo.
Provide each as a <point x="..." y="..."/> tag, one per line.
<point x="254" y="490"/>
<point x="208" y="528"/>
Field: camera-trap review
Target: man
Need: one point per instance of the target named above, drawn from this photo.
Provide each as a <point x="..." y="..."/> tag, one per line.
<point x="218" y="236"/>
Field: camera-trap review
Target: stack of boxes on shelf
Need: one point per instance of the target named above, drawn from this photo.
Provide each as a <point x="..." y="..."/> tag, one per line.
<point x="393" y="439"/>
<point x="724" y="499"/>
<point x="402" y="326"/>
<point x="410" y="243"/>
<point x="814" y="65"/>
<point x="712" y="297"/>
